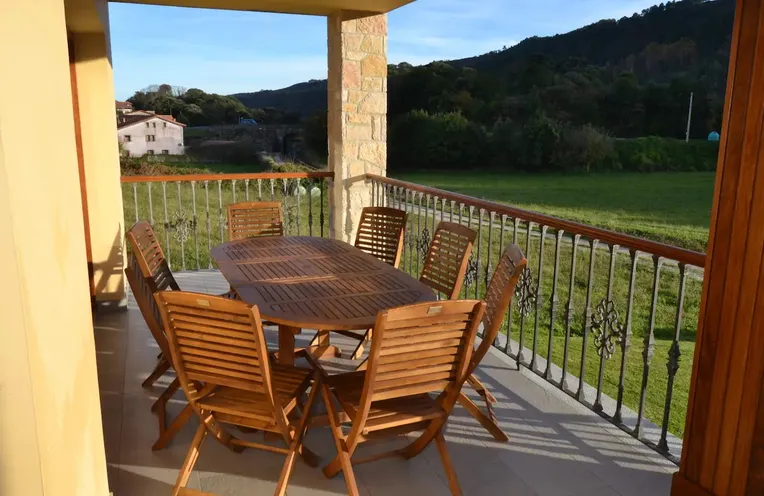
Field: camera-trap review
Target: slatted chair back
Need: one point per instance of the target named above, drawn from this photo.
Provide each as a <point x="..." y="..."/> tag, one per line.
<point x="380" y="233"/>
<point x="446" y="262"/>
<point x="255" y="220"/>
<point x="498" y="296"/>
<point x="147" y="272"/>
<point x="215" y="341"/>
<point x="422" y="348"/>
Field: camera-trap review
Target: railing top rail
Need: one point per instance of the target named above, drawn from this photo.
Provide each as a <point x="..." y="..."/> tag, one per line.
<point x="226" y="177"/>
<point x="681" y="255"/>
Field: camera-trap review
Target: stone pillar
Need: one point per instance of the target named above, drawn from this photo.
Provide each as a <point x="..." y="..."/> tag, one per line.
<point x="100" y="163"/>
<point x="357" y="123"/>
<point x="51" y="441"/>
<point x="723" y="453"/>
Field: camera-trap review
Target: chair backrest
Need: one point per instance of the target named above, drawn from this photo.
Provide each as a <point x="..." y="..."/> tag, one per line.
<point x="446" y="262"/>
<point x="380" y="233"/>
<point x="421" y="348"/>
<point x="498" y="296"/>
<point x="216" y="342"/>
<point x="254" y="220"/>
<point x="147" y="272"/>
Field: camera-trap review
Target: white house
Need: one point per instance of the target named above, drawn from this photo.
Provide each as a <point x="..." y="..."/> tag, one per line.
<point x="143" y="133"/>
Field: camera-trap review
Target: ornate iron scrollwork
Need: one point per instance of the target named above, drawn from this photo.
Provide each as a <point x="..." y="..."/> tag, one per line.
<point x="525" y="292"/>
<point x="606" y="328"/>
<point x="182" y="226"/>
<point x="424" y="242"/>
<point x="472" y="271"/>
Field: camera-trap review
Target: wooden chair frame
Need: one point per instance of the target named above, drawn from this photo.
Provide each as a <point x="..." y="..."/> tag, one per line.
<point x="451" y="244"/>
<point x="222" y="361"/>
<point x="265" y="219"/>
<point x="380" y="233"/>
<point x="147" y="272"/>
<point x="425" y="352"/>
<point x="498" y="298"/>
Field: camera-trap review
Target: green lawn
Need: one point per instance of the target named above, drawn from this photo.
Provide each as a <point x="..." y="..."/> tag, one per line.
<point x="673" y="208"/>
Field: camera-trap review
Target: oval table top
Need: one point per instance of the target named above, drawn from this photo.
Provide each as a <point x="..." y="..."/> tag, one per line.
<point x="315" y="283"/>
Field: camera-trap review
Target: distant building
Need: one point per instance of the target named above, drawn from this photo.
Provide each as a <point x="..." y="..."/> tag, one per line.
<point x="123" y="107"/>
<point x="146" y="133"/>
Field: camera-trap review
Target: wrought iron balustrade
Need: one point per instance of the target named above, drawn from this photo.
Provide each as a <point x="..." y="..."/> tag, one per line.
<point x="188" y="212"/>
<point x="599" y="311"/>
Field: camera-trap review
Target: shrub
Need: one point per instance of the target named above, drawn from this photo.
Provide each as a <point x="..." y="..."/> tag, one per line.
<point x="420" y="140"/>
<point x="586" y="148"/>
<point x="653" y="154"/>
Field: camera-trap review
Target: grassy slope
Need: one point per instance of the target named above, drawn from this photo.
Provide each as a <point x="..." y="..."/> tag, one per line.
<point x="673" y="208"/>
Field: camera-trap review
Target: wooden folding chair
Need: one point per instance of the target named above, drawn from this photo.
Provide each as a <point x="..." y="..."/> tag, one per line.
<point x="498" y="298"/>
<point x="147" y="272"/>
<point x="417" y="365"/>
<point x="254" y="220"/>
<point x="222" y="361"/>
<point x="380" y="234"/>
<point x="446" y="262"/>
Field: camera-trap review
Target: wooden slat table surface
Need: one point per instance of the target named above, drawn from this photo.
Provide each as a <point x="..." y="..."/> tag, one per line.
<point x="314" y="283"/>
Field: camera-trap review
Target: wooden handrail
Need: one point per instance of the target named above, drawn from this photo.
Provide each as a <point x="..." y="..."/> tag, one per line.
<point x="226" y="177"/>
<point x="681" y="255"/>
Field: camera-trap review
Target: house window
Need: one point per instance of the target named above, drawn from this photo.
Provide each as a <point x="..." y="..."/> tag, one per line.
<point x="148" y="125"/>
<point x="153" y="124"/>
<point x="165" y="152"/>
<point x="127" y="138"/>
<point x="151" y="137"/>
<point x="149" y="152"/>
<point x="164" y="124"/>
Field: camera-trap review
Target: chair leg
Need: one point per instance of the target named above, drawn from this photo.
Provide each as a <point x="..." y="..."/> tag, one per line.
<point x="222" y="435"/>
<point x="448" y="466"/>
<point x="484" y="393"/>
<point x="342" y="461"/>
<point x="190" y="461"/>
<point x="488" y="423"/>
<point x="161" y="402"/>
<point x="423" y="440"/>
<point x="296" y="443"/>
<point x="358" y="352"/>
<point x="166" y="437"/>
<point x="162" y="366"/>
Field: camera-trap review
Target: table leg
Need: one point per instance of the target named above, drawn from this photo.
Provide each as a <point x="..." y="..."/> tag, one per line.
<point x="321" y="346"/>
<point x="286" y="344"/>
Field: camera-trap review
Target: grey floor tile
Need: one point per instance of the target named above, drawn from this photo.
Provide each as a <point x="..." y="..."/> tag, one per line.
<point x="557" y="447"/>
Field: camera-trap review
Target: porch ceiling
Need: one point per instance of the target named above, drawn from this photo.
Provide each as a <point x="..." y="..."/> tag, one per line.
<point x="310" y="7"/>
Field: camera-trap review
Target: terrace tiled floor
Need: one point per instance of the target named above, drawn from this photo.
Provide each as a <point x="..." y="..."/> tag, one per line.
<point x="557" y="447"/>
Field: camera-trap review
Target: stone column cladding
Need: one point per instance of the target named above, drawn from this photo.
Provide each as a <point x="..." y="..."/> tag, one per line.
<point x="357" y="122"/>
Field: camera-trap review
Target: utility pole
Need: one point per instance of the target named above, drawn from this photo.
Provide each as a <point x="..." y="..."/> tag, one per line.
<point x="689" y="118"/>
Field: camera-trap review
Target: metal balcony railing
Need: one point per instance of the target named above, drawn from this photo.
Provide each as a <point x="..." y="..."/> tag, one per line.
<point x="188" y="212"/>
<point x="601" y="310"/>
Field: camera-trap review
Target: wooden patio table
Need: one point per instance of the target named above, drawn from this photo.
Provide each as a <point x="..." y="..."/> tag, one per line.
<point x="305" y="282"/>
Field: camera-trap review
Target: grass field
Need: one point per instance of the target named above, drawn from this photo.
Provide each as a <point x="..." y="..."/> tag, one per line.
<point x="673" y="208"/>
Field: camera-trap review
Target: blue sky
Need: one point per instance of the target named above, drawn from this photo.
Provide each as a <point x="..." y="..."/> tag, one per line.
<point x="230" y="52"/>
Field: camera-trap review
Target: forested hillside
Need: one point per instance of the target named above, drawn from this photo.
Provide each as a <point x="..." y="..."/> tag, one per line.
<point x="632" y="76"/>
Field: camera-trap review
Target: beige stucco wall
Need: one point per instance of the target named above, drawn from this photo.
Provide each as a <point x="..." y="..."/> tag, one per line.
<point x="100" y="155"/>
<point x="168" y="136"/>
<point x="50" y="421"/>
<point x="357" y="124"/>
